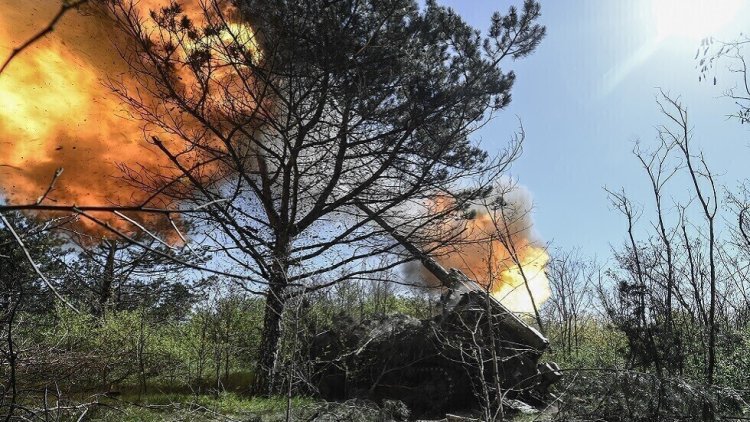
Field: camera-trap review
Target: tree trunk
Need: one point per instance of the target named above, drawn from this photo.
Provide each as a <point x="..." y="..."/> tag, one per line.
<point x="271" y="334"/>
<point x="108" y="277"/>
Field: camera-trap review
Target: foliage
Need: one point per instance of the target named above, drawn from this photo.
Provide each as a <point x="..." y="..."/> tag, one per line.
<point x="207" y="350"/>
<point x="600" y="345"/>
<point x="619" y="395"/>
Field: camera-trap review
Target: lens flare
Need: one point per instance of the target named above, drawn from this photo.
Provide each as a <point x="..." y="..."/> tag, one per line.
<point x="692" y="19"/>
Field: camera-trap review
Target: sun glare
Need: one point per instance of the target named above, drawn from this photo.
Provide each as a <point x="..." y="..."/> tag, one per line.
<point x="693" y="19"/>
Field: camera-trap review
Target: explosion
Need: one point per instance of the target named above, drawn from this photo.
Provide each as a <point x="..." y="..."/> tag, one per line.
<point x="58" y="108"/>
<point x="496" y="247"/>
<point x="56" y="114"/>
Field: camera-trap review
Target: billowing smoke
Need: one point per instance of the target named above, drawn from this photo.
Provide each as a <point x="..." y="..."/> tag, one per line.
<point x="495" y="244"/>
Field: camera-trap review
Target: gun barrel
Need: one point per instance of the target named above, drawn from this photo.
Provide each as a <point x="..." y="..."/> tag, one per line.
<point x="436" y="269"/>
<point x="454" y="278"/>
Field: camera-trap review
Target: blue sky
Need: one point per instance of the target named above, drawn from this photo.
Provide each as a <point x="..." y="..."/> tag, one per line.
<point x="589" y="92"/>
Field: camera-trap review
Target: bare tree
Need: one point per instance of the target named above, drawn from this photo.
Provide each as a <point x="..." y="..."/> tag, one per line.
<point x="634" y="291"/>
<point x="706" y="193"/>
<point x="658" y="286"/>
<point x="572" y="281"/>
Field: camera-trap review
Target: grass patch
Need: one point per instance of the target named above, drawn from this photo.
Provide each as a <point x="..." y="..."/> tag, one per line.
<point x="185" y="407"/>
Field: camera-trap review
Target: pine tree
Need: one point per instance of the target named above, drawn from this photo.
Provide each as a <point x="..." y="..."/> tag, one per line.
<point x="329" y="105"/>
